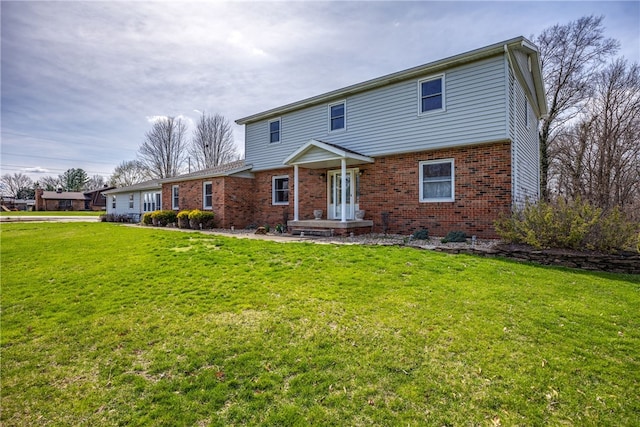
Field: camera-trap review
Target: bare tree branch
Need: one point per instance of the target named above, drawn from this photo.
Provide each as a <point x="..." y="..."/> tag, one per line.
<point x="162" y="152"/>
<point x="212" y="144"/>
<point x="571" y="56"/>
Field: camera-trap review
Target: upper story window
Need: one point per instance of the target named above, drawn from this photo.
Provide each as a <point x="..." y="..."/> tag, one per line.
<point x="175" y="197"/>
<point x="337" y="116"/>
<point x="207" y="195"/>
<point x="274" y="131"/>
<point x="431" y="94"/>
<point x="437" y="181"/>
<point x="280" y="190"/>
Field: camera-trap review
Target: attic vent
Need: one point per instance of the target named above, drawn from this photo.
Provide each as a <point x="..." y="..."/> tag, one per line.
<point x="59" y="190"/>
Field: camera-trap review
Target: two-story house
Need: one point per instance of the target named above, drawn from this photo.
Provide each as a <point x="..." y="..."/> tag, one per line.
<point x="448" y="145"/>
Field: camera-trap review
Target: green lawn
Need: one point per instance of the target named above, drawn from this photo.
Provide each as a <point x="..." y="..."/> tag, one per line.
<point x="52" y="213"/>
<point x="112" y="325"/>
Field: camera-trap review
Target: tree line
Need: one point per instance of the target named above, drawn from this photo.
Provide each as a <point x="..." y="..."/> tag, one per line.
<point x="165" y="152"/>
<point x="590" y="139"/>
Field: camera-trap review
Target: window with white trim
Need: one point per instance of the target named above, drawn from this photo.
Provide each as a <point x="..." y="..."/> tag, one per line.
<point x="337" y="116"/>
<point x="280" y="190"/>
<point x="131" y="201"/>
<point x="151" y="202"/>
<point x="207" y="195"/>
<point x="274" y="131"/>
<point x="431" y="94"/>
<point x="175" y="197"/>
<point x="437" y="182"/>
<point x="113" y="202"/>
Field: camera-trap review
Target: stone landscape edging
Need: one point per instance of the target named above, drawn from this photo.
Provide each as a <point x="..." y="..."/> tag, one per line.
<point x="623" y="262"/>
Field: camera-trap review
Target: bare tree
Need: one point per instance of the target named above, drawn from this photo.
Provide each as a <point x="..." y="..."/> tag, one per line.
<point x="128" y="173"/>
<point x="212" y="142"/>
<point x="598" y="159"/>
<point x="571" y="55"/>
<point x="16" y="183"/>
<point x="163" y="151"/>
<point x="95" y="182"/>
<point x="50" y="183"/>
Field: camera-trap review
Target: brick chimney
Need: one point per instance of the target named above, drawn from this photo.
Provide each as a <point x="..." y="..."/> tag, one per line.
<point x="39" y="206"/>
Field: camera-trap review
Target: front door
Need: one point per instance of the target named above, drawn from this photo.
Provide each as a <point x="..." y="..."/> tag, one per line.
<point x="335" y="194"/>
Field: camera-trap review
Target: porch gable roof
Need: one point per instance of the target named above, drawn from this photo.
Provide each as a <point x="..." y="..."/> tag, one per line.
<point x="317" y="154"/>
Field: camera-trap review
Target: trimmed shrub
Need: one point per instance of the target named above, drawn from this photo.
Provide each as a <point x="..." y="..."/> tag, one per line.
<point x="421" y="234"/>
<point x="570" y="225"/>
<point x="164" y="217"/>
<point x="201" y="219"/>
<point x="455" y="236"/>
<point x="183" y="218"/>
<point x="147" y="218"/>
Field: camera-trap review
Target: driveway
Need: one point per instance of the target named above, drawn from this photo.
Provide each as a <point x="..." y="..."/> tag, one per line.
<point x="49" y="218"/>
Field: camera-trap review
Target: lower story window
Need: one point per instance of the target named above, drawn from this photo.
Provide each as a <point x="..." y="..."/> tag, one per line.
<point x="151" y="202"/>
<point x="437" y="181"/>
<point x="130" y="201"/>
<point x="207" y="195"/>
<point x="175" y="197"/>
<point x="280" y="190"/>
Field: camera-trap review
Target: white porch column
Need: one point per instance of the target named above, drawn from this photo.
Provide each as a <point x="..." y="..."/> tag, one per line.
<point x="295" y="193"/>
<point x="343" y="163"/>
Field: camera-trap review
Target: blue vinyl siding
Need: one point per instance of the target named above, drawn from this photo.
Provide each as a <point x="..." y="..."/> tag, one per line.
<point x="387" y="120"/>
<point x="525" y="147"/>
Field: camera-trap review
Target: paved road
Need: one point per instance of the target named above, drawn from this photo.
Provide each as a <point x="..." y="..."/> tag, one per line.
<point x="49" y="218"/>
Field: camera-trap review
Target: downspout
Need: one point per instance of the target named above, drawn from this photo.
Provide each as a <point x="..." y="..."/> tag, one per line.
<point x="295" y="193"/>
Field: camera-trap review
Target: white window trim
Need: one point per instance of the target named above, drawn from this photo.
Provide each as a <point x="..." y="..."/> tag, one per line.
<point x="173" y="197"/>
<point x="452" y="198"/>
<point x="131" y="201"/>
<point x="273" y="190"/>
<point x="333" y="104"/>
<point x="204" y="195"/>
<point x="444" y="97"/>
<point x="279" y="132"/>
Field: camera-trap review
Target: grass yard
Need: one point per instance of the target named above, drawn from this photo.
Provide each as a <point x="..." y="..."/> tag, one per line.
<point x="112" y="325"/>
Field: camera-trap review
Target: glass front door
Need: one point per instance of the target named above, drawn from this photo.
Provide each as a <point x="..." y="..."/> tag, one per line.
<point x="335" y="194"/>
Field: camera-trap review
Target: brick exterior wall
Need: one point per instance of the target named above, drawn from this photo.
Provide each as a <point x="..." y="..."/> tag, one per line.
<point x="482" y="191"/>
<point x="232" y="201"/>
<point x="389" y="188"/>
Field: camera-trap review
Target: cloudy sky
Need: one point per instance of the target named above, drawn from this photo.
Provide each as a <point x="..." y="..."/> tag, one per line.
<point x="82" y="80"/>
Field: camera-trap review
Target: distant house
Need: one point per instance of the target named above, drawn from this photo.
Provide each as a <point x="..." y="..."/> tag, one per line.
<point x="135" y="200"/>
<point x="449" y="145"/>
<point x="97" y="199"/>
<point x="60" y="200"/>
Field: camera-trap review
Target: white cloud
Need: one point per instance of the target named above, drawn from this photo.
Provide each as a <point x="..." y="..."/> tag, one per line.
<point x="36" y="169"/>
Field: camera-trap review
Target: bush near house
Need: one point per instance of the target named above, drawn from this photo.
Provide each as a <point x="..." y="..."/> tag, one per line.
<point x="183" y="218"/>
<point x="163" y="217"/>
<point x="570" y="225"/>
<point x="147" y="218"/>
<point x="201" y="219"/>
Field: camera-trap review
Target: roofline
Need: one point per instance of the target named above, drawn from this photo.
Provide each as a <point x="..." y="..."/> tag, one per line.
<point x="147" y="185"/>
<point x="193" y="176"/>
<point x="473" y="55"/>
<point x="338" y="151"/>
